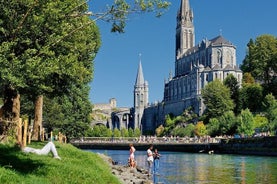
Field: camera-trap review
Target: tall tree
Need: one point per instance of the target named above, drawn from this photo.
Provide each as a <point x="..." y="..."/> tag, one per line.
<point x="232" y="83"/>
<point x="261" y="61"/>
<point x="217" y="99"/>
<point x="248" y="93"/>
<point x="246" y="123"/>
<point x="270" y="107"/>
<point x="47" y="46"/>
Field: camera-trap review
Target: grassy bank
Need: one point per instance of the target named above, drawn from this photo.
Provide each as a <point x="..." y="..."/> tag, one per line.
<point x="76" y="166"/>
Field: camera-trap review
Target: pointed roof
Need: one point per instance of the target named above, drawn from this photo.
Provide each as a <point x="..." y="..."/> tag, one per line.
<point x="220" y="40"/>
<point x="185" y="13"/>
<point x="184" y="7"/>
<point x="140" y="78"/>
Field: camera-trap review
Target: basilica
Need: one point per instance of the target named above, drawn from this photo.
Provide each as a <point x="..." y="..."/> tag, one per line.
<point x="195" y="66"/>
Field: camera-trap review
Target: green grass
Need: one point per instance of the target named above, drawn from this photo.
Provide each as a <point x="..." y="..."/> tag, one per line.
<point x="76" y="166"/>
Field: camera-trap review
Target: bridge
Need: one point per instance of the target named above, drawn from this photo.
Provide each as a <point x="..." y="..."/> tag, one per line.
<point x="192" y="145"/>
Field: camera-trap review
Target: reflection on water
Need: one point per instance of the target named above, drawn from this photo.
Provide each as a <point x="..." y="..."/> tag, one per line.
<point x="179" y="168"/>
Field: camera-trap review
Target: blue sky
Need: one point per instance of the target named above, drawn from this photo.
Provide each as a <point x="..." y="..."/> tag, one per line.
<point x="154" y="38"/>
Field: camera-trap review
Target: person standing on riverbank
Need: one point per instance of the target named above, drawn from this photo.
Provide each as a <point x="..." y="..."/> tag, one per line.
<point x="156" y="156"/>
<point x="150" y="159"/>
<point x="132" y="162"/>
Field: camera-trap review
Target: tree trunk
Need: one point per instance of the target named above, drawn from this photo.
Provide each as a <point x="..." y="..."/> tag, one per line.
<point x="10" y="112"/>
<point x="38" y="119"/>
<point x="16" y="108"/>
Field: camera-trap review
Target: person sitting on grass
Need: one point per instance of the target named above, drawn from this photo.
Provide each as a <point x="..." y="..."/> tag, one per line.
<point x="49" y="147"/>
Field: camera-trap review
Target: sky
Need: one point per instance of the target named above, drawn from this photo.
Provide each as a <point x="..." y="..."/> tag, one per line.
<point x="152" y="40"/>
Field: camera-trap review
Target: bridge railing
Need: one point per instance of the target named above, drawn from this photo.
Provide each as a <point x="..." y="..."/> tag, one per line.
<point x="150" y="140"/>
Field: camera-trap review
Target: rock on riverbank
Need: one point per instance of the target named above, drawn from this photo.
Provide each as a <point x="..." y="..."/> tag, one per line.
<point x="126" y="174"/>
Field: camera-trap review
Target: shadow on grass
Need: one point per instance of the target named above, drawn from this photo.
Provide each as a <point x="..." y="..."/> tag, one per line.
<point x="11" y="158"/>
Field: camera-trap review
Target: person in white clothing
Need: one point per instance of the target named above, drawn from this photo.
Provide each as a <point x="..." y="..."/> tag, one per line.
<point x="150" y="159"/>
<point x="49" y="147"/>
<point x="132" y="162"/>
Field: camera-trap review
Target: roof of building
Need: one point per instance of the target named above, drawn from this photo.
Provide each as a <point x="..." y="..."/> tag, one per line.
<point x="220" y="40"/>
<point x="140" y="78"/>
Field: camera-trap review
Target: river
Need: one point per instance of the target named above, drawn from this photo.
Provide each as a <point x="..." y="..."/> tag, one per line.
<point x="181" y="168"/>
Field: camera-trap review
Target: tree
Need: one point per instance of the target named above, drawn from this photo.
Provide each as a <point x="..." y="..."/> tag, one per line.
<point x="200" y="129"/>
<point x="248" y="93"/>
<point x="48" y="46"/>
<point x="159" y="131"/>
<point x="137" y="132"/>
<point x="189" y="130"/>
<point x="231" y="82"/>
<point x="228" y="123"/>
<point x="116" y="133"/>
<point x="49" y="50"/>
<point x="246" y="123"/>
<point x="118" y="12"/>
<point x="248" y="79"/>
<point x="217" y="99"/>
<point x="130" y="132"/>
<point x="261" y="61"/>
<point x="124" y="132"/>
<point x="270" y="108"/>
<point x="213" y="127"/>
<point x="261" y="123"/>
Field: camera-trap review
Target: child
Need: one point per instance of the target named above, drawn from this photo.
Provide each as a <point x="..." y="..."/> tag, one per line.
<point x="156" y="156"/>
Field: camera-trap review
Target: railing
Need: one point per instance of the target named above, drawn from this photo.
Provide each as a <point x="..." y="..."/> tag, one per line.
<point x="150" y="140"/>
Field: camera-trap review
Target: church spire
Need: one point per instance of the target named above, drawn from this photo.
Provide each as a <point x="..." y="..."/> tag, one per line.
<point x="185" y="29"/>
<point x="140" y="78"/>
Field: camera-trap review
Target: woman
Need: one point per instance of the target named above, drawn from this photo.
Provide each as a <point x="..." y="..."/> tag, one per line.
<point x="150" y="159"/>
<point x="132" y="162"/>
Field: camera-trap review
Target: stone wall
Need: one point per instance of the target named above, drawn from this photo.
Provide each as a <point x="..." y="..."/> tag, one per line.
<point x="250" y="146"/>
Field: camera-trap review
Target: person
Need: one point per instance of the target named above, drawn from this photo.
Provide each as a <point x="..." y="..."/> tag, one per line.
<point x="156" y="156"/>
<point x="132" y="162"/>
<point x="49" y="147"/>
<point x="150" y="159"/>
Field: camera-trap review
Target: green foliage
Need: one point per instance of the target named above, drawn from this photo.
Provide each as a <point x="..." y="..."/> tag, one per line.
<point x="116" y="133"/>
<point x="261" y="61"/>
<point x="124" y="132"/>
<point x="270" y="108"/>
<point x="137" y="132"/>
<point x="246" y="123"/>
<point x="184" y="131"/>
<point x="247" y="79"/>
<point x="261" y="123"/>
<point x="228" y="123"/>
<point x="130" y="132"/>
<point x="67" y="112"/>
<point x="249" y="92"/>
<point x="231" y="82"/>
<point x="217" y="99"/>
<point x="213" y="127"/>
<point x="200" y="129"/>
<point x="173" y="124"/>
<point x="99" y="131"/>
<point x="19" y="167"/>
<point x="118" y="12"/>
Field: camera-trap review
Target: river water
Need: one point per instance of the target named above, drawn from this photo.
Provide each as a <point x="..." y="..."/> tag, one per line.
<point x="181" y="168"/>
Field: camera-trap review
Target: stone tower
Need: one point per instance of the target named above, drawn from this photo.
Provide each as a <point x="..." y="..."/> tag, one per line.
<point x="140" y="97"/>
<point x="185" y="37"/>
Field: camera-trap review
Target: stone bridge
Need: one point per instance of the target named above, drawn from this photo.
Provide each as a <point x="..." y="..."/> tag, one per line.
<point x="122" y="119"/>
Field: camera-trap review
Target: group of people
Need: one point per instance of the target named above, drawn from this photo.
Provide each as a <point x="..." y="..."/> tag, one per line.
<point x="153" y="158"/>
